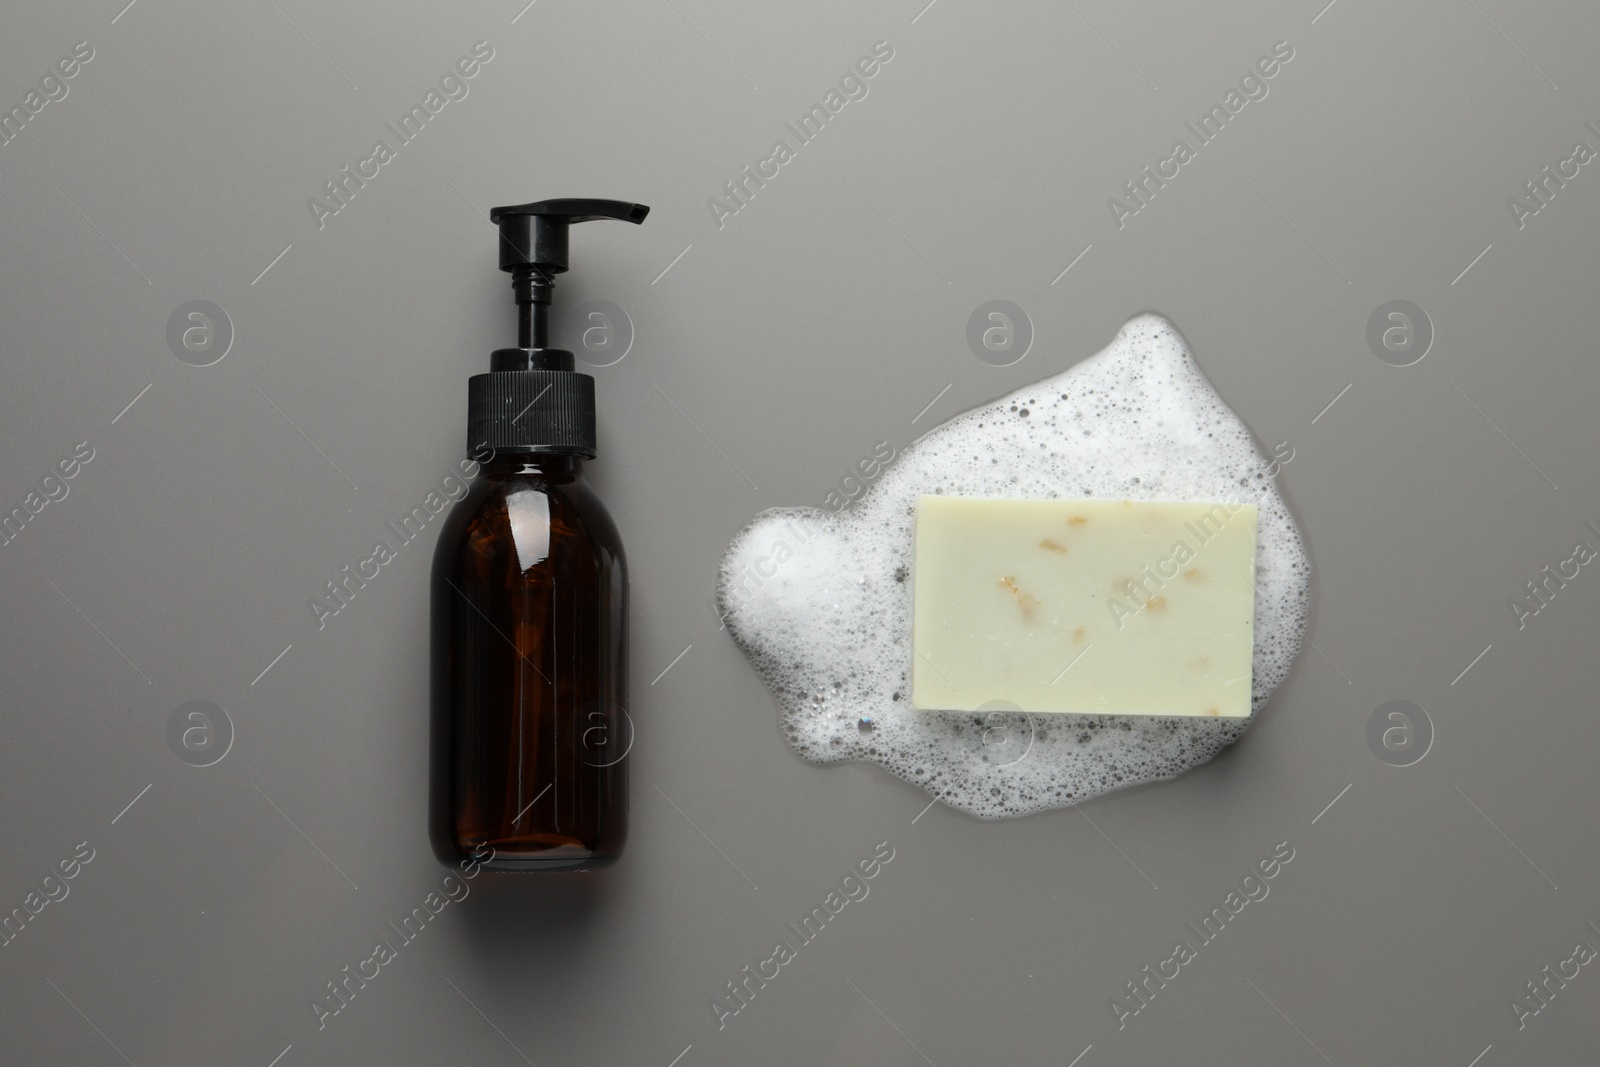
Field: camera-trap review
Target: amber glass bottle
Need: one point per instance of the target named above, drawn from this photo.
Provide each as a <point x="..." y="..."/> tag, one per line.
<point x="530" y="731"/>
<point x="530" y="728"/>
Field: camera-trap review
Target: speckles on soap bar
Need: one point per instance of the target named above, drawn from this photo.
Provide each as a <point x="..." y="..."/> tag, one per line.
<point x="821" y="603"/>
<point x="1027" y="603"/>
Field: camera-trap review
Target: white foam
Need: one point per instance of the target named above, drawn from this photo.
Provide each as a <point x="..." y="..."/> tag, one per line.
<point x="822" y="602"/>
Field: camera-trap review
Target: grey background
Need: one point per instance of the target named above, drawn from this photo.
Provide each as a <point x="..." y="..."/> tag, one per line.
<point x="821" y="319"/>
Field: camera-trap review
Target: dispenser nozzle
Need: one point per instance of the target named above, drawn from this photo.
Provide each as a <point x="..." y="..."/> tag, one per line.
<point x="533" y="248"/>
<point x="533" y="399"/>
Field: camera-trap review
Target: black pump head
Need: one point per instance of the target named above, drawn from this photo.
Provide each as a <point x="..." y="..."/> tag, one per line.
<point x="535" y="235"/>
<point x="532" y="400"/>
<point x="533" y="248"/>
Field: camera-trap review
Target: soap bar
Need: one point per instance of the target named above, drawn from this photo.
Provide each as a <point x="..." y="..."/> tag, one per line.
<point x="1092" y="606"/>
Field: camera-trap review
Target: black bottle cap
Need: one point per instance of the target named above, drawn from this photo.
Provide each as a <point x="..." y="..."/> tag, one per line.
<point x="532" y="400"/>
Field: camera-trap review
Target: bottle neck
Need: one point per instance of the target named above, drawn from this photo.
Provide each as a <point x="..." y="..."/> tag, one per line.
<point x="553" y="466"/>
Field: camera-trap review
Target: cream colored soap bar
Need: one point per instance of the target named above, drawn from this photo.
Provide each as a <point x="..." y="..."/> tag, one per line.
<point x="1094" y="606"/>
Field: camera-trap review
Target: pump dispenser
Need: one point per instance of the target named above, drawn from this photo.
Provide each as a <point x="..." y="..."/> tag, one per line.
<point x="530" y="729"/>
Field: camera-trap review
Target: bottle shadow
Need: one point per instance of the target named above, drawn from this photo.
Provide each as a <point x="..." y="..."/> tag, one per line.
<point x="553" y="913"/>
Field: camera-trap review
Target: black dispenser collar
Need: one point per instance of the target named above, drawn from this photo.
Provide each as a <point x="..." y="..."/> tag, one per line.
<point x="532" y="399"/>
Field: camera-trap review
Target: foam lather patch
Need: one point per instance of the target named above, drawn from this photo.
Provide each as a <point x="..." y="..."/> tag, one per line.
<point x="821" y="603"/>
